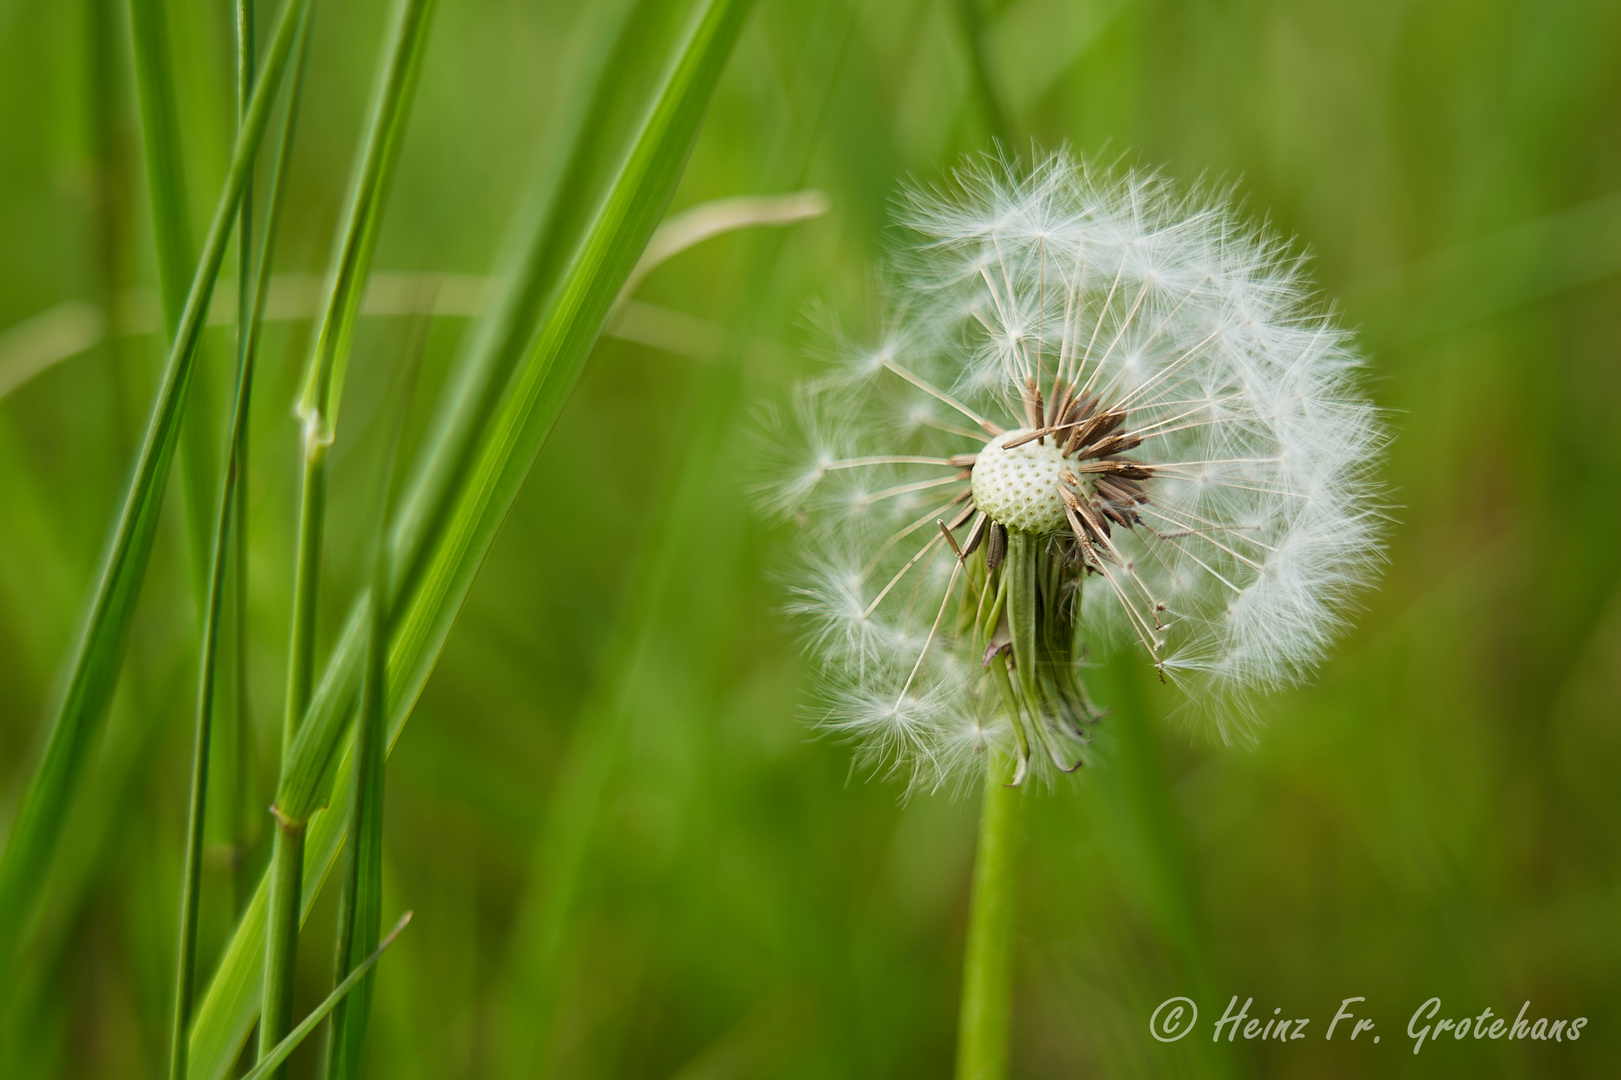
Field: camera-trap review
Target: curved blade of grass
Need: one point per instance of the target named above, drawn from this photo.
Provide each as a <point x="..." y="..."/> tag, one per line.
<point x="718" y="216"/>
<point x="99" y="649"/>
<point x="596" y="270"/>
<point x="172" y="235"/>
<point x="368" y="194"/>
<point x="281" y="1051"/>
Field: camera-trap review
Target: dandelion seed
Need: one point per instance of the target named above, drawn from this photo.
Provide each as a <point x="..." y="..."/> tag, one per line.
<point x="1118" y="405"/>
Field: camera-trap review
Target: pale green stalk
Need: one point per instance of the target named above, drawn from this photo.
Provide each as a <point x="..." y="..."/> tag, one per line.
<point x="318" y="412"/>
<point x="98" y="650"/>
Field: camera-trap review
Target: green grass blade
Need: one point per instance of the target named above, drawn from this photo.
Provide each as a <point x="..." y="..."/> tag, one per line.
<point x="176" y="251"/>
<point x="93" y="672"/>
<point x="253" y="289"/>
<point x="279" y="1053"/>
<point x="618" y="232"/>
<point x="554" y="360"/>
<point x="633" y="38"/>
<point x="360" y="901"/>
<point x="165" y="168"/>
<point x="368" y="194"/>
<point x="513" y="436"/>
<point x="329" y="360"/>
<point x="238" y="733"/>
<point x="191" y="887"/>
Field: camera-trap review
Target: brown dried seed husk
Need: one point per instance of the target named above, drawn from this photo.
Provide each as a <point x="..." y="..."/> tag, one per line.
<point x="996" y="551"/>
<point x="976" y="536"/>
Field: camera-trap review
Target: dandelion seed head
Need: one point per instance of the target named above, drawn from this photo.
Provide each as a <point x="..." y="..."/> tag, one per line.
<point x="1139" y="383"/>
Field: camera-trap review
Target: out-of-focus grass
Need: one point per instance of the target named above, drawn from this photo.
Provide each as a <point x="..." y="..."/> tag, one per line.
<point x="1434" y="817"/>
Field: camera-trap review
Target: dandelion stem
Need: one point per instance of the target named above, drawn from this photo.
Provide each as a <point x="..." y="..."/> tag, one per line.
<point x="987" y="975"/>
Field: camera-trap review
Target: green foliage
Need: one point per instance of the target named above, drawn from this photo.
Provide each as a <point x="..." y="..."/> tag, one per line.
<point x="96" y="657"/>
<point x="360" y="975"/>
<point x="626" y="853"/>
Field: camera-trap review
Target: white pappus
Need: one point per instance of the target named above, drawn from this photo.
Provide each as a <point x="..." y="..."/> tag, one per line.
<point x="1106" y="413"/>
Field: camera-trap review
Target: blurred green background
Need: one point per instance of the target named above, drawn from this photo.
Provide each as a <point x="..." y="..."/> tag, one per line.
<point x="627" y="852"/>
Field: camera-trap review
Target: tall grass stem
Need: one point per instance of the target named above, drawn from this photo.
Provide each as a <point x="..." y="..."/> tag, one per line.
<point x="318" y="409"/>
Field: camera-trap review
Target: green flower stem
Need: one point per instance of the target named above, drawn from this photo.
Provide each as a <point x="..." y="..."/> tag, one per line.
<point x="987" y="971"/>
